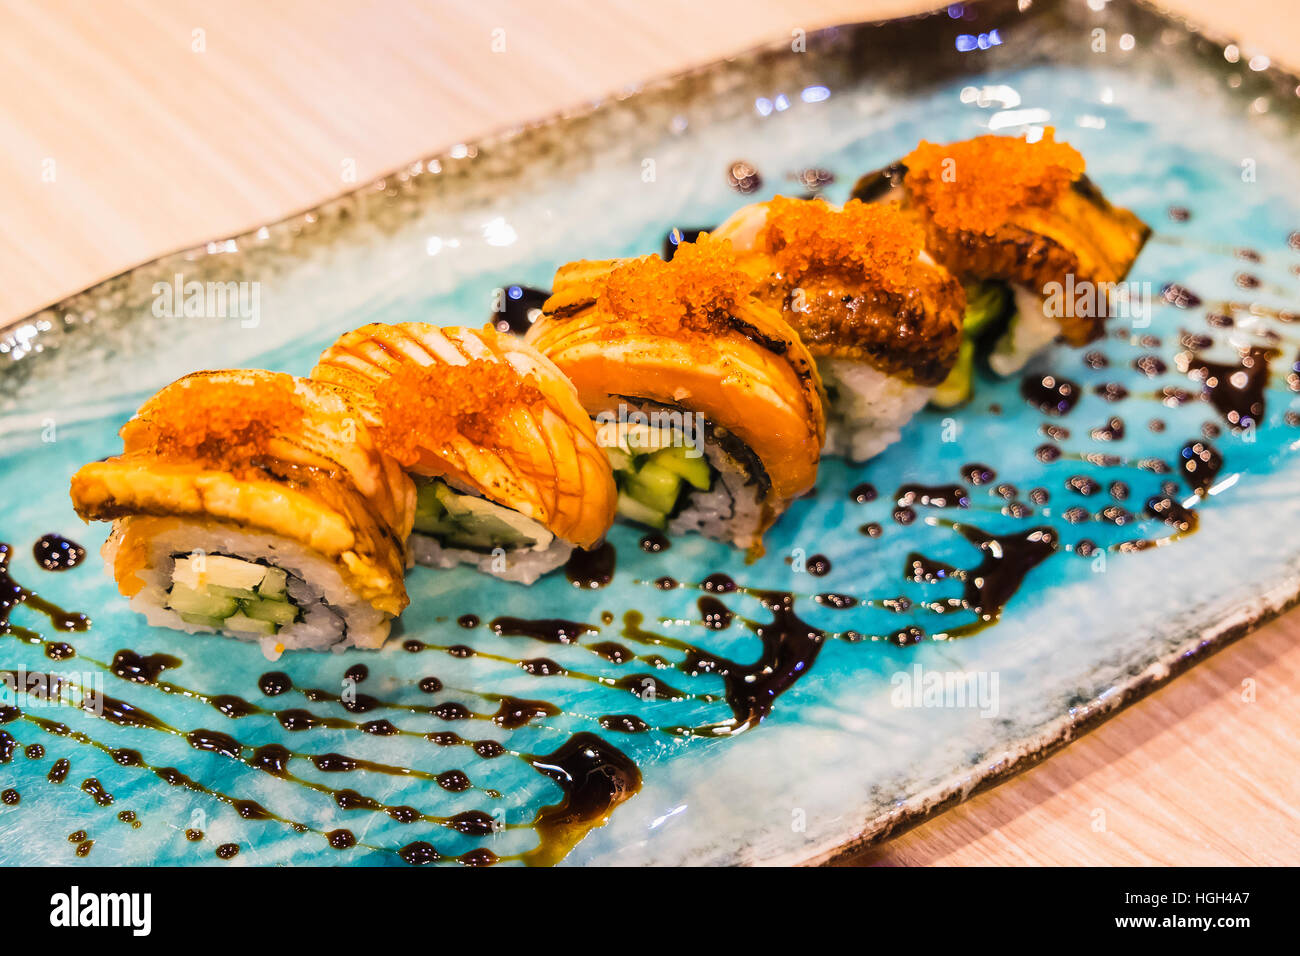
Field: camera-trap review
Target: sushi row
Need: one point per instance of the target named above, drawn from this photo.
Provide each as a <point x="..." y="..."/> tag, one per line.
<point x="694" y="393"/>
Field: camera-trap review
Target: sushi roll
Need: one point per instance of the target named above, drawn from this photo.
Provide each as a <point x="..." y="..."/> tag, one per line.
<point x="257" y="505"/>
<point x="1020" y="223"/>
<point x="707" y="402"/>
<point x="508" y="474"/>
<point x="882" y="319"/>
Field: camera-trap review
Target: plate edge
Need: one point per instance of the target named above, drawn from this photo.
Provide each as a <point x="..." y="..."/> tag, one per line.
<point x="931" y="803"/>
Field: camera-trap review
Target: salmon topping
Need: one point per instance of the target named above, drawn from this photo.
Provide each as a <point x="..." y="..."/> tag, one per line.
<point x="977" y="185"/>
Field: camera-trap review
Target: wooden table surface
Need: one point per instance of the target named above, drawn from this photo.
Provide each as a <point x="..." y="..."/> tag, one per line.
<point x="169" y="123"/>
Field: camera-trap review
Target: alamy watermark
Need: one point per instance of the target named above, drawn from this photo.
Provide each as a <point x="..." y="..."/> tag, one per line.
<point x="33" y="690"/>
<point x="208" y="300"/>
<point x="1085" y="299"/>
<point x="641" y="432"/>
<point x="133" y="911"/>
<point x="951" y="689"/>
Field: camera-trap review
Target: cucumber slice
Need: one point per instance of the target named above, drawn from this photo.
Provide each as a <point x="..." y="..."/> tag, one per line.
<point x="277" y="612"/>
<point x="633" y="510"/>
<point x="243" y="624"/>
<point x="486" y="534"/>
<point x="274" y="585"/>
<point x="465" y="521"/>
<point x="470" y="541"/>
<point x="216" y="623"/>
<point x="427" y="504"/>
<point x="451" y="502"/>
<point x="239" y="594"/>
<point x="696" y="471"/>
<point x="185" y="600"/>
<point x="437" y="526"/>
<point x="655" y="487"/>
<point x="959" y="384"/>
<point x="619" y="460"/>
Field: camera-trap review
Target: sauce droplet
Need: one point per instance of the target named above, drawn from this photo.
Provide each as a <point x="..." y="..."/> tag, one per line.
<point x="1049" y="394"/>
<point x="591" y="569"/>
<point x="520" y="307"/>
<point x="54" y="552"/>
<point x="743" y="177"/>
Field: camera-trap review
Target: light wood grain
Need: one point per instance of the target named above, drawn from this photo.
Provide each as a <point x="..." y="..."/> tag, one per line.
<point x="157" y="144"/>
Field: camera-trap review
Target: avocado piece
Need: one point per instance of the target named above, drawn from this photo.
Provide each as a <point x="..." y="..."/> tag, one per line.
<point x="199" y="571"/>
<point x="959" y="385"/>
<point x="695" y="470"/>
<point x="185" y="600"/>
<point x="466" y="521"/>
<point x="985" y="303"/>
<point x="633" y="510"/>
<point x="485" y="525"/>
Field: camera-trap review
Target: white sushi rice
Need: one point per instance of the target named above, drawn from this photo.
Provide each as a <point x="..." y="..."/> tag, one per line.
<point x="1031" y="330"/>
<point x="521" y="565"/>
<point x="729" y="511"/>
<point x="334" y="617"/>
<point x="867" y="407"/>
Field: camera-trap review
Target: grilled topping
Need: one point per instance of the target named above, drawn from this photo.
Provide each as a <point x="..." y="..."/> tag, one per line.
<point x="979" y="184"/>
<point x="856" y="284"/>
<point x="874" y="244"/>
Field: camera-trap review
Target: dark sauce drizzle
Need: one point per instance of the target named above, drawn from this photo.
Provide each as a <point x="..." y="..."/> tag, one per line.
<point x="12" y="595"/>
<point x="594" y="777"/>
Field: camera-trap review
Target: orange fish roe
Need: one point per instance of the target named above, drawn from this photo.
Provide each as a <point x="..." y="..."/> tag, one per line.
<point x="702" y="281"/>
<point x="977" y="185"/>
<point x="428" y="406"/>
<point x="875" y="242"/>
<point x="219" y="423"/>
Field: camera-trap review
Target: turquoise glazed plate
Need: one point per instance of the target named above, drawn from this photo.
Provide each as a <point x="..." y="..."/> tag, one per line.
<point x="897" y="649"/>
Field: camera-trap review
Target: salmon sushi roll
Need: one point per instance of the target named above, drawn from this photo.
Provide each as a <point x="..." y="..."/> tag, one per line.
<point x="880" y="316"/>
<point x="707" y="402"/>
<point x="1039" y="247"/>
<point x="257" y="505"/>
<point x="509" y="477"/>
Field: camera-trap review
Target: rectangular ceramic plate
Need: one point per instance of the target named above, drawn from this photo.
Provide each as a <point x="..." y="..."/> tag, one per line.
<point x="841" y="756"/>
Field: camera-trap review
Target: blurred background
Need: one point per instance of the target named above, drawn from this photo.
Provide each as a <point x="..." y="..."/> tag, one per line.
<point x="129" y="129"/>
